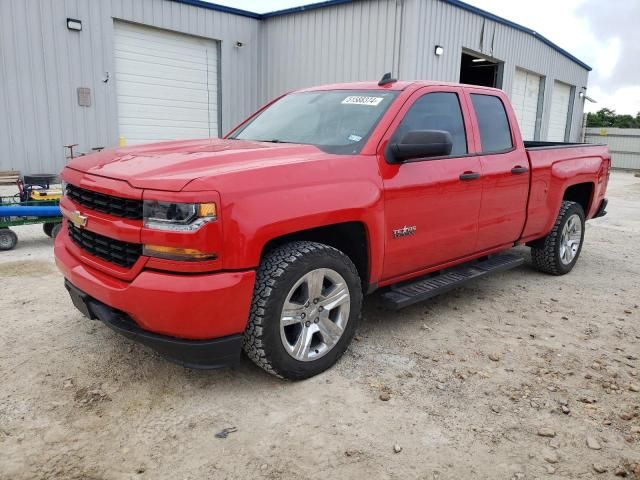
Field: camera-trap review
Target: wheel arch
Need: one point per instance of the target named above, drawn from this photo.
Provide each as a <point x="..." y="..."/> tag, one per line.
<point x="580" y="193"/>
<point x="351" y="238"/>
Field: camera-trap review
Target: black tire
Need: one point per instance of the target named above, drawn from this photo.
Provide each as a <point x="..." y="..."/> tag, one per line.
<point x="47" y="228"/>
<point x="277" y="274"/>
<point x="8" y="239"/>
<point x="545" y="253"/>
<point x="56" y="230"/>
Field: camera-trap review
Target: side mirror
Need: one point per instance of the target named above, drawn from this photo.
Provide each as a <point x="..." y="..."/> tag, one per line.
<point x="420" y="144"/>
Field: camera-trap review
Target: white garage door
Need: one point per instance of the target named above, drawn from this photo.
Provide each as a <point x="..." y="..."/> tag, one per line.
<point x="559" y="112"/>
<point x="166" y="84"/>
<point x="524" y="97"/>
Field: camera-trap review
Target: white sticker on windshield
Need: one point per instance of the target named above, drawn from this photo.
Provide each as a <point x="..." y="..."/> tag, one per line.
<point x="360" y="100"/>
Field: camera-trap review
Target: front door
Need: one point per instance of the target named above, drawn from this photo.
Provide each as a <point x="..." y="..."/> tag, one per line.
<point x="431" y="205"/>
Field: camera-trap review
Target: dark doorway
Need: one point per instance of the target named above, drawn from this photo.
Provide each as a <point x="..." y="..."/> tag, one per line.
<point x="480" y="71"/>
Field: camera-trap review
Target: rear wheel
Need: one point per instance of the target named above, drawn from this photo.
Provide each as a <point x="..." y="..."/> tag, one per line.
<point x="8" y="239"/>
<point x="558" y="252"/>
<point x="305" y="310"/>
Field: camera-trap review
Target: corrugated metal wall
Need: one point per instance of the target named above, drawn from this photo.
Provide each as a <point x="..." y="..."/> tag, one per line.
<point x="623" y="143"/>
<point x="342" y="43"/>
<point x="362" y="40"/>
<point x="42" y="64"/>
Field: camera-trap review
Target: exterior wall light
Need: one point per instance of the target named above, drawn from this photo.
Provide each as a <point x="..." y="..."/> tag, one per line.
<point x="583" y="95"/>
<point x="439" y="50"/>
<point x="74" y="24"/>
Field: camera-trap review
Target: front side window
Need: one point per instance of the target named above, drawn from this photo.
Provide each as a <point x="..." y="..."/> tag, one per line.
<point x="338" y="121"/>
<point x="436" y="111"/>
<point x="495" y="133"/>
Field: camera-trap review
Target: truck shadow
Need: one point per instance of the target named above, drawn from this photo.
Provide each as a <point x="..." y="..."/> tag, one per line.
<point x="148" y="368"/>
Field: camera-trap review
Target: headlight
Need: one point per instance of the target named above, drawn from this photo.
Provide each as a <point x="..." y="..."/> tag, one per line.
<point x="181" y="217"/>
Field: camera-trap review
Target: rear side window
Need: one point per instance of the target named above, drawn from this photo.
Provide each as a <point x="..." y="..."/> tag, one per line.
<point x="436" y="111"/>
<point x="495" y="133"/>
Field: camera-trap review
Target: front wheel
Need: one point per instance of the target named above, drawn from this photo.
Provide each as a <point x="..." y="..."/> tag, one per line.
<point x="305" y="310"/>
<point x="558" y="252"/>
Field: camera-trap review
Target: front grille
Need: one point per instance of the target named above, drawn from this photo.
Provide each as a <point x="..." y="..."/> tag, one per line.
<point x="124" y="254"/>
<point x="116" y="206"/>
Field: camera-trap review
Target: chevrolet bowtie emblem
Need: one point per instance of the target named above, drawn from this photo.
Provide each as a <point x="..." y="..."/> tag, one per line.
<point x="80" y="221"/>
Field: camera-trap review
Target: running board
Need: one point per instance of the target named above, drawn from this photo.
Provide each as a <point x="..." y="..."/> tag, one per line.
<point x="407" y="293"/>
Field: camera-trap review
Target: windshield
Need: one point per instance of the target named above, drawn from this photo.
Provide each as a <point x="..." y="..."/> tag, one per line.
<point x="338" y="121"/>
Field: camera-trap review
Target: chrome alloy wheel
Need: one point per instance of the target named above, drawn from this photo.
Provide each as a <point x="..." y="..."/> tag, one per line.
<point x="570" y="239"/>
<point x="315" y="314"/>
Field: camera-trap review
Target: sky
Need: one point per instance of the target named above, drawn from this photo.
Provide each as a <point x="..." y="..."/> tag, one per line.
<point x="604" y="34"/>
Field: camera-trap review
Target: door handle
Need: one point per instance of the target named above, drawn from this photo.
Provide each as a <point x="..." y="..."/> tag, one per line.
<point x="466" y="176"/>
<point x="518" y="170"/>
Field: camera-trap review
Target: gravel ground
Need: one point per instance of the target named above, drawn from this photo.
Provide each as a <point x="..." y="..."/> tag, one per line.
<point x="520" y="376"/>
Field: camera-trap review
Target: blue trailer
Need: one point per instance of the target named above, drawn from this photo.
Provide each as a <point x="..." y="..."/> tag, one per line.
<point x="35" y="203"/>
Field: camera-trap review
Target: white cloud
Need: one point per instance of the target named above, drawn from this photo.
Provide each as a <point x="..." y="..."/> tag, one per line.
<point x="624" y="100"/>
<point x="607" y="56"/>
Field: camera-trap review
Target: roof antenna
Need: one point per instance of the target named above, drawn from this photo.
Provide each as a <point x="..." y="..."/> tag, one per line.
<point x="386" y="78"/>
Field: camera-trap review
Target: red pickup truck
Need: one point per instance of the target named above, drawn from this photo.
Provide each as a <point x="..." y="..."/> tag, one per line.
<point x="268" y="238"/>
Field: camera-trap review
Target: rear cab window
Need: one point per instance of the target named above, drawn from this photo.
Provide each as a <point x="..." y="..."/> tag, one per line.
<point x="495" y="131"/>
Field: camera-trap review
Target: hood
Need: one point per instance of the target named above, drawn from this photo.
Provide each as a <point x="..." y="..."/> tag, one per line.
<point x="172" y="165"/>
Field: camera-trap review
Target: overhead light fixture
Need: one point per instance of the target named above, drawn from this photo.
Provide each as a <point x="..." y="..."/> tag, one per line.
<point x="439" y="50"/>
<point x="478" y="60"/>
<point x="74" y="24"/>
<point x="584" y="96"/>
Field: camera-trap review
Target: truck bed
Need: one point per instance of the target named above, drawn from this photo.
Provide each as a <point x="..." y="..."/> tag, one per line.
<point x="557" y="163"/>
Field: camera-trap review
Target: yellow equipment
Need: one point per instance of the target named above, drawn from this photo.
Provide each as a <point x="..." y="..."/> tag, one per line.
<point x="49" y="194"/>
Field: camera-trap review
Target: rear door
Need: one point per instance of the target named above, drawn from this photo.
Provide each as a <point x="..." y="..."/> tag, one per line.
<point x="431" y="204"/>
<point x="505" y="170"/>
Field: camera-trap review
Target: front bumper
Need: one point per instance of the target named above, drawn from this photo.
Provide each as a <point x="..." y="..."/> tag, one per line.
<point x="219" y="352"/>
<point x="167" y="311"/>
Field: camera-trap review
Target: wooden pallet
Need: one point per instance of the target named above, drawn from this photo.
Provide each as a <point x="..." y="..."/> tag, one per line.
<point x="9" y="177"/>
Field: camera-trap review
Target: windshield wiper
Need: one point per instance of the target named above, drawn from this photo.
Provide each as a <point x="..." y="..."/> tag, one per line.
<point x="275" y="140"/>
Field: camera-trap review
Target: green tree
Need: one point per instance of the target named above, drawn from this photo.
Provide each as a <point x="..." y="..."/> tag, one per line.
<point x="607" y="117"/>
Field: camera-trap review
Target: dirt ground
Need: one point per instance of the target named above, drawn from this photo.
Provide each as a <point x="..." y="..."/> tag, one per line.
<point x="519" y="376"/>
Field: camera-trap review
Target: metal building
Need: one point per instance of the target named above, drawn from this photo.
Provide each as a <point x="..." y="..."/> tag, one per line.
<point x="99" y="73"/>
